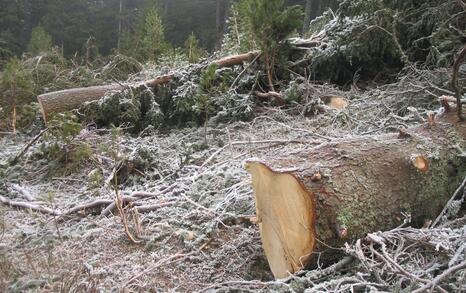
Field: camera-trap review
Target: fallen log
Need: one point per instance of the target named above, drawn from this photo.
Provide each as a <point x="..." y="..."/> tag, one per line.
<point x="65" y="100"/>
<point x="311" y="202"/>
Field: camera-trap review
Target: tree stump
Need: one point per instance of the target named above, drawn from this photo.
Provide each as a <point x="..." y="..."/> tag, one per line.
<point x="309" y="203"/>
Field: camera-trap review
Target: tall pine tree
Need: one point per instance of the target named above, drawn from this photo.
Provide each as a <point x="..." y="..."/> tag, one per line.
<point x="151" y="34"/>
<point x="40" y="41"/>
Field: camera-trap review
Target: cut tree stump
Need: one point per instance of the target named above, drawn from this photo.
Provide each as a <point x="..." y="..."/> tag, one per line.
<point x="311" y="202"/>
<point x="66" y="100"/>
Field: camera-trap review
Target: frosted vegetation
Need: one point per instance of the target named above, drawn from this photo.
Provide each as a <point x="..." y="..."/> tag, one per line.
<point x="173" y="155"/>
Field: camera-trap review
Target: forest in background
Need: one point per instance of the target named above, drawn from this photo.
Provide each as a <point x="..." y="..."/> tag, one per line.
<point x="72" y="23"/>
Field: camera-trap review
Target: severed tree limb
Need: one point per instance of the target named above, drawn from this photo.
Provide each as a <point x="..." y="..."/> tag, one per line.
<point x="138" y="195"/>
<point x="29" y="145"/>
<point x="22" y="191"/>
<point x="236" y="59"/>
<point x="244" y="70"/>
<point x="28" y="206"/>
<point x="68" y="212"/>
<point x="87" y="206"/>
<point x="153" y="207"/>
<point x="342" y="264"/>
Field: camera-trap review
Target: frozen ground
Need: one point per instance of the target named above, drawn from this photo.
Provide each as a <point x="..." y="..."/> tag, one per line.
<point x="192" y="205"/>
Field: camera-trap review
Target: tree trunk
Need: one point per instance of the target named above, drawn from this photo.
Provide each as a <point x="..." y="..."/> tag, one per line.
<point x="221" y="15"/>
<point x="307" y="17"/>
<point x="166" y="7"/>
<point x="120" y="19"/>
<point x="316" y="8"/>
<point x="311" y="201"/>
<point x="13" y="117"/>
<point x="66" y="100"/>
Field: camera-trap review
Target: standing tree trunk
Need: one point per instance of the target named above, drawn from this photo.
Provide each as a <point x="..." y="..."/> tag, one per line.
<point x="314" y="200"/>
<point x="13" y="104"/>
<point x="120" y="29"/>
<point x="166" y="6"/>
<point x="316" y="8"/>
<point x="13" y="117"/>
<point x="221" y="15"/>
<point x="307" y="17"/>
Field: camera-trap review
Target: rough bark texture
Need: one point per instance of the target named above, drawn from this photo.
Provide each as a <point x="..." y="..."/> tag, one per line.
<point x="56" y="102"/>
<point x="307" y="16"/>
<point x="236" y="59"/>
<point x="61" y="101"/>
<point x="310" y="201"/>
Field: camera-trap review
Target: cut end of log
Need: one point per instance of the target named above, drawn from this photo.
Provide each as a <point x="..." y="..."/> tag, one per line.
<point x="445" y="102"/>
<point x="403" y="133"/>
<point x="335" y="102"/>
<point x="420" y="162"/>
<point x="286" y="217"/>
<point x="41" y="107"/>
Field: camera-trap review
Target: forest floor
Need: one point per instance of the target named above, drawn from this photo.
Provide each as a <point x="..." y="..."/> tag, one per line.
<point x="193" y="222"/>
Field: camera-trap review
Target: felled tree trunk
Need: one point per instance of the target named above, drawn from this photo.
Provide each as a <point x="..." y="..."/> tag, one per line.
<point x="314" y="200"/>
<point x="65" y="100"/>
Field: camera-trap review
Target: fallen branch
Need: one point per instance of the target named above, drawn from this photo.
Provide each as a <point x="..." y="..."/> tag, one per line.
<point x="153" y="207"/>
<point x="123" y="216"/>
<point x="174" y="258"/>
<point x="138" y="195"/>
<point x="28" y="206"/>
<point x="27" y="146"/>
<point x="22" y="191"/>
<point x="71" y="211"/>
<point x="442" y="276"/>
<point x="244" y="70"/>
<point x="461" y="189"/>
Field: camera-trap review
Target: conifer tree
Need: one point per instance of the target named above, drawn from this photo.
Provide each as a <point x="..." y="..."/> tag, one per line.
<point x="271" y="24"/>
<point x="40" y="41"/>
<point x="16" y="88"/>
<point x="193" y="52"/>
<point x="151" y="33"/>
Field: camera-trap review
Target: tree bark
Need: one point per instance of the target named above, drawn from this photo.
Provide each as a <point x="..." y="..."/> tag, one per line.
<point x="311" y="201"/>
<point x="454" y="81"/>
<point x="66" y="100"/>
<point x="221" y="15"/>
